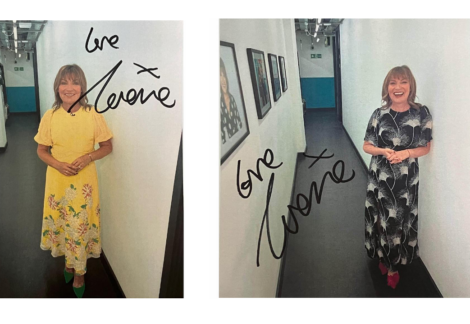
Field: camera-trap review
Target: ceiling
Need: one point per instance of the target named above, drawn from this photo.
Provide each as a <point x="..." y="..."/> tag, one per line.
<point x="28" y="32"/>
<point x="327" y="27"/>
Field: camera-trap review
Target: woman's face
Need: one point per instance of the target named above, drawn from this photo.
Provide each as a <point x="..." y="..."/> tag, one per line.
<point x="399" y="90"/>
<point x="223" y="82"/>
<point x="69" y="90"/>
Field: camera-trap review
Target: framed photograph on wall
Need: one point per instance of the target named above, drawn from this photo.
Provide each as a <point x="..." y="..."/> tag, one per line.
<point x="259" y="80"/>
<point x="233" y="121"/>
<point x="282" y="68"/>
<point x="276" y="84"/>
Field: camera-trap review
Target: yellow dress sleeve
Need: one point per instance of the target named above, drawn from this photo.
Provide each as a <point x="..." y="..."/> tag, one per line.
<point x="44" y="132"/>
<point x="102" y="132"/>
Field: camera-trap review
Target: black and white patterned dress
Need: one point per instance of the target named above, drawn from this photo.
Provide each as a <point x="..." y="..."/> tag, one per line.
<point x="391" y="211"/>
<point x="230" y="122"/>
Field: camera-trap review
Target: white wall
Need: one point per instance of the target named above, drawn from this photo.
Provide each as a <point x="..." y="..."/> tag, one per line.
<point x="314" y="68"/>
<point x="282" y="131"/>
<point x="369" y="49"/>
<point x="14" y="78"/>
<point x="136" y="180"/>
<point x="3" y="133"/>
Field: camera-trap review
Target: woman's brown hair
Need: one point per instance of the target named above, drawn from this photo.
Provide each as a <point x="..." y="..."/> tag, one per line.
<point x="401" y="72"/>
<point x="224" y="71"/>
<point x="74" y="72"/>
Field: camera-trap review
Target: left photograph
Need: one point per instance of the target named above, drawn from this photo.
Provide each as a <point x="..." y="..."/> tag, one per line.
<point x="91" y="179"/>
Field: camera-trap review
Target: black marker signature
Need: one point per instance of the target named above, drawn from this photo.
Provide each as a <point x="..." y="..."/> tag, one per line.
<point x="303" y="203"/>
<point x="247" y="185"/>
<point x="144" y="69"/>
<point x="318" y="157"/>
<point x="111" y="41"/>
<point x="131" y="96"/>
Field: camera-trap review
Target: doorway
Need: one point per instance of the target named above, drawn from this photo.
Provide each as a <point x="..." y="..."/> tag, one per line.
<point x="4" y="90"/>
<point x="337" y="71"/>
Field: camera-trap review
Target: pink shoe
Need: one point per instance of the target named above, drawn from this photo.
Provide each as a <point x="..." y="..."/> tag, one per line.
<point x="383" y="268"/>
<point x="393" y="280"/>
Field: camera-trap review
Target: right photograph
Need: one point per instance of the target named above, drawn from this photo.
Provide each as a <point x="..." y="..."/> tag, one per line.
<point x="343" y="154"/>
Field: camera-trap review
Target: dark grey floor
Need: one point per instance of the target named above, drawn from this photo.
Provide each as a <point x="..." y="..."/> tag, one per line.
<point x="26" y="270"/>
<point x="327" y="258"/>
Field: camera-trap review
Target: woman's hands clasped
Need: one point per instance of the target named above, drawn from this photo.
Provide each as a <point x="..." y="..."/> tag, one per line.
<point x="396" y="156"/>
<point x="66" y="169"/>
<point x="81" y="162"/>
<point x="71" y="169"/>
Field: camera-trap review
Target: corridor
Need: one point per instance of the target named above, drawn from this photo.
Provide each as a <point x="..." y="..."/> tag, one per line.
<point x="327" y="258"/>
<point x="26" y="270"/>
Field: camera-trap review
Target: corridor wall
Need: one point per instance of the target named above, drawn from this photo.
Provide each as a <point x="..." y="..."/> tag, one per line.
<point x="317" y="74"/>
<point x="282" y="131"/>
<point x="369" y="49"/>
<point x="19" y="84"/>
<point x="136" y="180"/>
<point x="3" y="133"/>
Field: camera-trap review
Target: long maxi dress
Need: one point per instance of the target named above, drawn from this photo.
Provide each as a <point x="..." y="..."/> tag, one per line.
<point x="71" y="219"/>
<point x="391" y="209"/>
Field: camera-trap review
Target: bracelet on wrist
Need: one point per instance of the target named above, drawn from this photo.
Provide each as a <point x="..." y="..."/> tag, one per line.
<point x="91" y="159"/>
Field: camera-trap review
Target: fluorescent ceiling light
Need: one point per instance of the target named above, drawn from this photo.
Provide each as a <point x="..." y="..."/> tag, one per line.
<point x="16" y="36"/>
<point x="319" y="20"/>
<point x="314" y="35"/>
<point x="318" y="39"/>
<point x="316" y="28"/>
<point x="24" y="25"/>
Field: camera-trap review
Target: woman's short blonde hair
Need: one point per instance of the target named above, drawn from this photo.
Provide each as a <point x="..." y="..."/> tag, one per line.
<point x="72" y="71"/>
<point x="400" y="72"/>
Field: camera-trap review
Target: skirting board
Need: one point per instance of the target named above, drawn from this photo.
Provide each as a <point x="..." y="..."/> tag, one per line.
<point x="112" y="276"/>
<point x="3" y="149"/>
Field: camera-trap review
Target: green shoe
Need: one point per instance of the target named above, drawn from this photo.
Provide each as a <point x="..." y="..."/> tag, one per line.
<point x="79" y="291"/>
<point x="68" y="276"/>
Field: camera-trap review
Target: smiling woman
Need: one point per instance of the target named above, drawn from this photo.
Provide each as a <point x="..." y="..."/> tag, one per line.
<point x="397" y="134"/>
<point x="71" y="219"/>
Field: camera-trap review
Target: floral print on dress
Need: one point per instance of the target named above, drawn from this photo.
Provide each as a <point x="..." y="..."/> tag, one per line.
<point x="72" y="226"/>
<point x="52" y="202"/>
<point x="87" y="192"/>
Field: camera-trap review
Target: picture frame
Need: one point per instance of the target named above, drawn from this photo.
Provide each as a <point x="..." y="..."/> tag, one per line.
<point x="282" y="69"/>
<point x="274" y="72"/>
<point x="234" y="128"/>
<point x="259" y="80"/>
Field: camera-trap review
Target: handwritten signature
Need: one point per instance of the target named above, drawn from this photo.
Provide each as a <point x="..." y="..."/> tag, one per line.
<point x="303" y="203"/>
<point x="132" y="95"/>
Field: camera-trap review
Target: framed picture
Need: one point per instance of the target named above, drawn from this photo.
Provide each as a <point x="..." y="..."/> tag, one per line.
<point x="233" y="121"/>
<point x="259" y="80"/>
<point x="276" y="84"/>
<point x="282" y="68"/>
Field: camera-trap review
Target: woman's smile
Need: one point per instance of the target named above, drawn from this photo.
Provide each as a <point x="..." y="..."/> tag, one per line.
<point x="69" y="91"/>
<point x="399" y="90"/>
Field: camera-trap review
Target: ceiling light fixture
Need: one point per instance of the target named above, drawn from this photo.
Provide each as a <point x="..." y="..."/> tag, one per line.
<point x="16" y="36"/>
<point x="318" y="39"/>
<point x="319" y="20"/>
<point x="316" y="28"/>
<point x="314" y="35"/>
<point x="24" y="25"/>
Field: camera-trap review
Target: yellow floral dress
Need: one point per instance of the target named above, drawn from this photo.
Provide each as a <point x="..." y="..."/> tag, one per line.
<point x="71" y="221"/>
